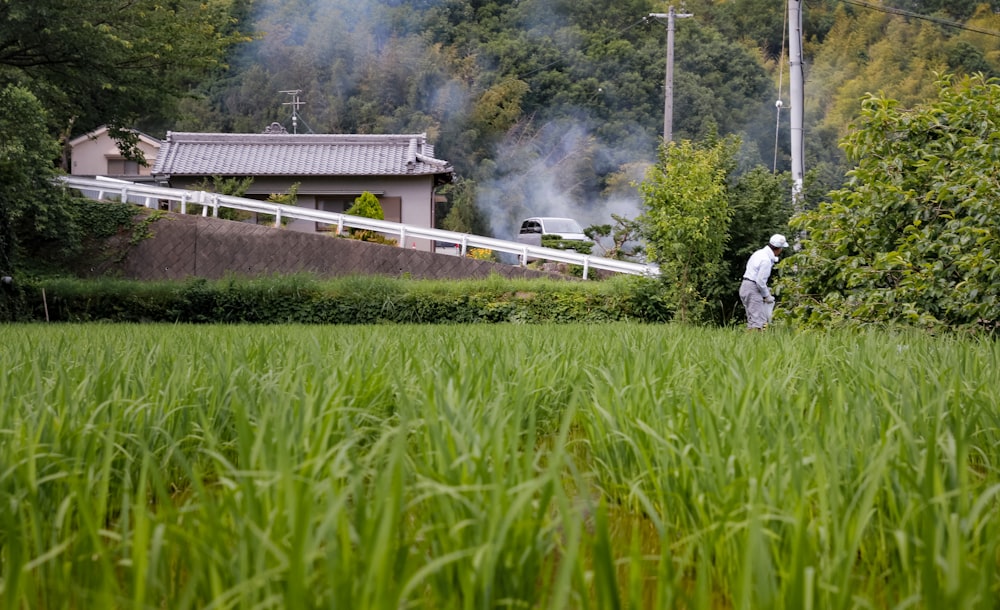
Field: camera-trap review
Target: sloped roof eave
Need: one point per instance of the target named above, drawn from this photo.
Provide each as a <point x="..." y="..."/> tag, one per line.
<point x="103" y="129"/>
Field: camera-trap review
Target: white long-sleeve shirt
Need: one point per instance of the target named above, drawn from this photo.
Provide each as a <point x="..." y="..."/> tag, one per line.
<point x="759" y="269"/>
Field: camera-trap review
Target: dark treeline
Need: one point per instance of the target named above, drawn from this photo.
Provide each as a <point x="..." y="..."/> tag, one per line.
<point x="555" y="106"/>
<point x="543" y="106"/>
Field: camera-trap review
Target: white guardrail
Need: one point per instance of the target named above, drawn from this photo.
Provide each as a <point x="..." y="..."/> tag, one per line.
<point x="150" y="196"/>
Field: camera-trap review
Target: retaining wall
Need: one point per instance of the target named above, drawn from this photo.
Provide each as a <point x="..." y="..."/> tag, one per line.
<point x="183" y="246"/>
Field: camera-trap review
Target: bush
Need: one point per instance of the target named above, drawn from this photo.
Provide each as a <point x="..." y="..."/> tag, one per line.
<point x="354" y="300"/>
<point x="912" y="237"/>
<point x="557" y="242"/>
<point x="367" y="206"/>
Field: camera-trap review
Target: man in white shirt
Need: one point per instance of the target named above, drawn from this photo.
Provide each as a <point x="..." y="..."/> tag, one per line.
<point x="754" y="293"/>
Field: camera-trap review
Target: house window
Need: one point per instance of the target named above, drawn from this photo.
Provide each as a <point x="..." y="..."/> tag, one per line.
<point x="391" y="208"/>
<point x="337" y="205"/>
<point x="122" y="167"/>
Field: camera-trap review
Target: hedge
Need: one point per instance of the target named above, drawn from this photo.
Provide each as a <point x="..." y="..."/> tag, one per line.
<point x="354" y="300"/>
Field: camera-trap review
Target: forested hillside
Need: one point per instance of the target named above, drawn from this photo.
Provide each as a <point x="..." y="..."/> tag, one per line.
<point x="553" y="106"/>
<point x="543" y="106"/>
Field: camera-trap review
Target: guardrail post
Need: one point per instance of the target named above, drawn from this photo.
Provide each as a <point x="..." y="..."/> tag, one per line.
<point x="215" y="206"/>
<point x="524" y="257"/>
<point x="184" y="203"/>
<point x="124" y="194"/>
<point x="402" y="236"/>
<point x="465" y="245"/>
<point x="586" y="266"/>
<point x="277" y="219"/>
<point x="340" y="224"/>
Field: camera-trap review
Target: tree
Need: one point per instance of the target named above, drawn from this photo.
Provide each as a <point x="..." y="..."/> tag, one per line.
<point x="873" y="51"/>
<point x="499" y="107"/>
<point x="685" y="218"/>
<point x="32" y="207"/>
<point x="462" y="215"/>
<point x="914" y="236"/>
<point x="112" y="62"/>
<point x="623" y="235"/>
<point x="67" y="67"/>
<point x="719" y="85"/>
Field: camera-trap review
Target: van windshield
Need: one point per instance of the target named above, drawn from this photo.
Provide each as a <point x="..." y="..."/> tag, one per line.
<point x="562" y="225"/>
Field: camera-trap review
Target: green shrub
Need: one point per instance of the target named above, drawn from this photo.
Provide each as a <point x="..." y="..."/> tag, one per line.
<point x="290" y="197"/>
<point x="351" y="300"/>
<point x="237" y="187"/>
<point x="78" y="235"/>
<point x="367" y="206"/>
<point x="557" y="242"/>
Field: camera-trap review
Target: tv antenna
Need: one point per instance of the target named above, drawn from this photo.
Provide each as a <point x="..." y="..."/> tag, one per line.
<point x="295" y="103"/>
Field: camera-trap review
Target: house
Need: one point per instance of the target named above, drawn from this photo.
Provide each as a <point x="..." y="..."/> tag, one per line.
<point x="96" y="154"/>
<point x="332" y="170"/>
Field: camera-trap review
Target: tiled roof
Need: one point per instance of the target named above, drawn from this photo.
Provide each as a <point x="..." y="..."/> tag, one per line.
<point x="247" y="154"/>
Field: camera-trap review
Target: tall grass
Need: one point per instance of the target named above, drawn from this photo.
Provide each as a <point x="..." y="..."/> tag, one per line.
<point x="495" y="467"/>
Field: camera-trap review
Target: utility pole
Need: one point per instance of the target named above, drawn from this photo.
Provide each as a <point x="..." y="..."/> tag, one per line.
<point x="797" y="98"/>
<point x="668" y="93"/>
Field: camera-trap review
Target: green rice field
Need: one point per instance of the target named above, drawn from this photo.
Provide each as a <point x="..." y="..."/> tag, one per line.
<point x="496" y="466"/>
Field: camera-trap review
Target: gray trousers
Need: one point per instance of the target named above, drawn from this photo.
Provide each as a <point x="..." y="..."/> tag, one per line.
<point x="753" y="302"/>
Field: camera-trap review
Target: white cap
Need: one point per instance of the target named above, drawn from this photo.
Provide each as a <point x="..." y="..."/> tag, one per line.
<point x="778" y="241"/>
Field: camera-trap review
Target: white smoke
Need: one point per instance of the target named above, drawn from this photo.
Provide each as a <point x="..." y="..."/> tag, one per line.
<point x="554" y="172"/>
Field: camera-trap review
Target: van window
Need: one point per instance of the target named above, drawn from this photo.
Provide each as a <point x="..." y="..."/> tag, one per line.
<point x="562" y="225"/>
<point x="530" y="226"/>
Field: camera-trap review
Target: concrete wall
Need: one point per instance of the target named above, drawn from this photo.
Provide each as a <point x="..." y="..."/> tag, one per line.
<point x="184" y="246"/>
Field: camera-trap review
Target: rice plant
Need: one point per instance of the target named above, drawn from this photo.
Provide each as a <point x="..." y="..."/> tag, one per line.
<point x="504" y="466"/>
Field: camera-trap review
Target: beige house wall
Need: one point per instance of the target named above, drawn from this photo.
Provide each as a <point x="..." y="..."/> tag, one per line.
<point x="416" y="195"/>
<point x="90" y="155"/>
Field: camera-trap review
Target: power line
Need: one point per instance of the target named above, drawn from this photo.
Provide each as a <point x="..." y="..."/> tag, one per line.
<point x="937" y="20"/>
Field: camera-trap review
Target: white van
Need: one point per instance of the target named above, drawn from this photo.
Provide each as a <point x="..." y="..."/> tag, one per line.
<point x="532" y="230"/>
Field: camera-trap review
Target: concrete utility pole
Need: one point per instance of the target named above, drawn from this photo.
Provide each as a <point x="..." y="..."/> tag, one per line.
<point x="797" y="98"/>
<point x="668" y="97"/>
